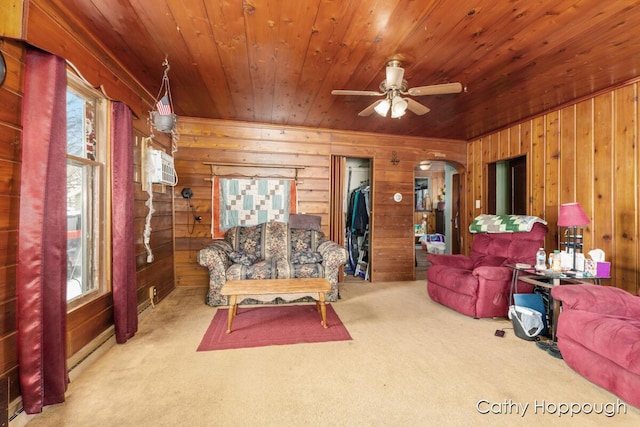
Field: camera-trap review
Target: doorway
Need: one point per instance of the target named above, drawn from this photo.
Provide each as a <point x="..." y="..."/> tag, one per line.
<point x="437" y="203"/>
<point x="455" y="214"/>
<point x="507" y="187"/>
<point x="351" y="212"/>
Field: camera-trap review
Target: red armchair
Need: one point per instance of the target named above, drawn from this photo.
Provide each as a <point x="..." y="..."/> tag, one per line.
<point x="479" y="285"/>
<point x="599" y="336"/>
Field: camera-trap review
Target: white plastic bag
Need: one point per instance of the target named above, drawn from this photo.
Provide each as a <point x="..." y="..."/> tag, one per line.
<point x="527" y="323"/>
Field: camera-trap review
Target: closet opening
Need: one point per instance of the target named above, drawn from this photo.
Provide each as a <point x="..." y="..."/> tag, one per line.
<point x="352" y="200"/>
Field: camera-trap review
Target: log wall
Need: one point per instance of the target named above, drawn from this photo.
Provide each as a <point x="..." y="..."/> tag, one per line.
<point x="52" y="32"/>
<point x="392" y="240"/>
<point x="10" y="131"/>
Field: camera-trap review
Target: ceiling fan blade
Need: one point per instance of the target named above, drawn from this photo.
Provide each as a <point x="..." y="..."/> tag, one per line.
<point x="370" y="109"/>
<point x="435" y="89"/>
<point x="394" y="76"/>
<point x="356" y="92"/>
<point x="416" y="107"/>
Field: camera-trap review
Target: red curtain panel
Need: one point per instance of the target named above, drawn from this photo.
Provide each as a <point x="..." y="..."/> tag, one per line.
<point x="122" y="224"/>
<point x="41" y="275"/>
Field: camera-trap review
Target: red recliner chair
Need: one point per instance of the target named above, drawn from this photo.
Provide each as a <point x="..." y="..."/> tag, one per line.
<point x="479" y="285"/>
<point x="599" y="336"/>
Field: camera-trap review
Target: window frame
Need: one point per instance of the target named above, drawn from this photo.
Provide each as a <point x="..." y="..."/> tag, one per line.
<point x="100" y="229"/>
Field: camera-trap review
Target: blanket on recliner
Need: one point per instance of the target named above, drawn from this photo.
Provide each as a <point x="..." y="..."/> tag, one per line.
<point x="503" y="223"/>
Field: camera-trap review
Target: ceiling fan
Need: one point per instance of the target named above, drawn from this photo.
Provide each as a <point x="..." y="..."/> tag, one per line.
<point x="393" y="87"/>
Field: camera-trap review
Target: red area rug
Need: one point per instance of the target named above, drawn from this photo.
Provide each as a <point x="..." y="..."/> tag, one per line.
<point x="259" y="326"/>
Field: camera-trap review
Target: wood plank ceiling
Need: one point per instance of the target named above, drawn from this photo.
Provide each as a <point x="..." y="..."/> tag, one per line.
<point x="277" y="61"/>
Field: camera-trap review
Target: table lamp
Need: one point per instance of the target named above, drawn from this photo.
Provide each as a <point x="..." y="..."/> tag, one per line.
<point x="573" y="217"/>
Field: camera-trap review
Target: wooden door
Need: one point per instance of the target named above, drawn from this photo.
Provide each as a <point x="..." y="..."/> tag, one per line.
<point x="455" y="214"/>
<point x="518" y="169"/>
<point x="336" y="218"/>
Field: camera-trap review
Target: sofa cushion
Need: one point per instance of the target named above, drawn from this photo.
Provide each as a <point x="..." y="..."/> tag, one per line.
<point x="304" y="240"/>
<point x="275" y="243"/>
<point x="517" y="247"/>
<point x="489" y="260"/>
<point x="612" y="337"/>
<point x="248" y="240"/>
<point x="304" y="221"/>
<point x="458" y="280"/>
<point x="265" y="269"/>
<point x="286" y="269"/>
<point x="243" y="258"/>
<point x="598" y="299"/>
<point x="454" y="261"/>
<point x="305" y="257"/>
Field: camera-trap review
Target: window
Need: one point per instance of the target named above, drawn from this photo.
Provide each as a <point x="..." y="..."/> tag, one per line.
<point x="86" y="190"/>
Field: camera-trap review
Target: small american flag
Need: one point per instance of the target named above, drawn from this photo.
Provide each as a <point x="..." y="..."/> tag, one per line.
<point x="163" y="106"/>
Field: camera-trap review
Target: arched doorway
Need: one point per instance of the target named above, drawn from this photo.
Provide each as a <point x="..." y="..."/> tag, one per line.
<point x="438" y="203"/>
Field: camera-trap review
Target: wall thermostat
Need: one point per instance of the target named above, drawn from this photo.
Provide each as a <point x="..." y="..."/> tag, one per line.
<point x="397" y="197"/>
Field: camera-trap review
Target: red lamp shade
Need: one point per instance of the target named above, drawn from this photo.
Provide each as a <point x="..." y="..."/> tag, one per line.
<point x="572" y="215"/>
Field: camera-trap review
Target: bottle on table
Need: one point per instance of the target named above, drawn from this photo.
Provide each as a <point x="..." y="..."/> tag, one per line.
<point x="557" y="261"/>
<point x="541" y="260"/>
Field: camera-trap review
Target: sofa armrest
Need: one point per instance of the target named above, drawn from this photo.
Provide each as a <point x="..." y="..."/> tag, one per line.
<point x="454" y="261"/>
<point x="598" y="299"/>
<point x="333" y="255"/>
<point x="214" y="257"/>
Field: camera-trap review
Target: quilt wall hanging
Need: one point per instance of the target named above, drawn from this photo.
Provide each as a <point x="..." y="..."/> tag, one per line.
<point x="250" y="201"/>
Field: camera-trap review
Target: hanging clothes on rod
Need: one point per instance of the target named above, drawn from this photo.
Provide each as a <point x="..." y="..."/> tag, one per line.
<point x="358" y="218"/>
<point x="357" y="229"/>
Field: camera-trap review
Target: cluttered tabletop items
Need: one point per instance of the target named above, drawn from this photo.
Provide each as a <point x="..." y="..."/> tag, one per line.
<point x="563" y="264"/>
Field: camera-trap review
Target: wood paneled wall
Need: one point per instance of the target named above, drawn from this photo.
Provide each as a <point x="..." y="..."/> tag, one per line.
<point x="51" y="32"/>
<point x="204" y="140"/>
<point x="585" y="152"/>
<point x="10" y="131"/>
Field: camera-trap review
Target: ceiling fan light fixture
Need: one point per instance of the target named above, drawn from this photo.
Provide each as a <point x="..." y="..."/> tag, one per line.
<point x="383" y="107"/>
<point x="398" y="107"/>
<point x="394" y="77"/>
<point x="392" y="87"/>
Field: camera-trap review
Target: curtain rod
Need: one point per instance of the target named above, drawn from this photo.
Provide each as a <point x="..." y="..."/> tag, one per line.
<point x="254" y="165"/>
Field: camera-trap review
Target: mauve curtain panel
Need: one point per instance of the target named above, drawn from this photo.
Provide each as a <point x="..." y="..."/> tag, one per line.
<point x="122" y="224"/>
<point x="41" y="275"/>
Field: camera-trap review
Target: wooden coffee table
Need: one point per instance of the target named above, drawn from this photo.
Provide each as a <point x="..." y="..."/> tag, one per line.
<point x="234" y="288"/>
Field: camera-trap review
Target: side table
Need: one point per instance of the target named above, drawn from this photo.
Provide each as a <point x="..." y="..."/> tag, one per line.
<point x="549" y="279"/>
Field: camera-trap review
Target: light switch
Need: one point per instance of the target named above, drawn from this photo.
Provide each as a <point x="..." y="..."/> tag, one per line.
<point x="477" y="204"/>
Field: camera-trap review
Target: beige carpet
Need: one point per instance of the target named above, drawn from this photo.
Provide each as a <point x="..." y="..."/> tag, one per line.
<point x="411" y="363"/>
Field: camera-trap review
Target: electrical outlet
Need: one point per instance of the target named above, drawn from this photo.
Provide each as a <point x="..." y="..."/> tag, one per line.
<point x="153" y="292"/>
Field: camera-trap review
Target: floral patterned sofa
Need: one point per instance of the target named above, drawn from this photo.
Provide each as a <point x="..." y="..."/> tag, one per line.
<point x="272" y="250"/>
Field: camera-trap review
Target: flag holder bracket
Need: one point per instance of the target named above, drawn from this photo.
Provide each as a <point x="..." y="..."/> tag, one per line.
<point x="162" y="118"/>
